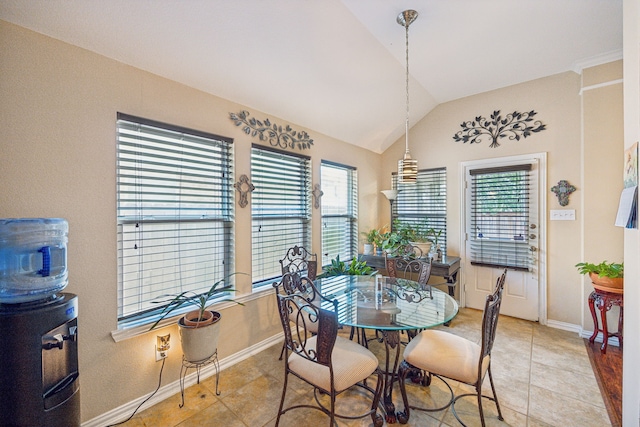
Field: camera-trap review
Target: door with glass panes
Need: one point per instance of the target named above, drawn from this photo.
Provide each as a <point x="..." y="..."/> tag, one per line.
<point x="503" y="230"/>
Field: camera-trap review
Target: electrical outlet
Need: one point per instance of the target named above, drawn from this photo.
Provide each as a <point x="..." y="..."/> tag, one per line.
<point x="163" y="343"/>
<point x="160" y="354"/>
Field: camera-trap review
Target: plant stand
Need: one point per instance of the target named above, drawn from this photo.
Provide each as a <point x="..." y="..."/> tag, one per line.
<point x="603" y="301"/>
<point x="186" y="365"/>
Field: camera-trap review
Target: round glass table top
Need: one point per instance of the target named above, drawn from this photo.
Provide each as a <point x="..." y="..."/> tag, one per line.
<point x="386" y="303"/>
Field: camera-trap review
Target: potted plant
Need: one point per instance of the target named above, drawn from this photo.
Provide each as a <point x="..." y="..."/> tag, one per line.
<point x="199" y="328"/>
<point x="354" y="268"/>
<point x="371" y="236"/>
<point x="608" y="277"/>
<point x="379" y="241"/>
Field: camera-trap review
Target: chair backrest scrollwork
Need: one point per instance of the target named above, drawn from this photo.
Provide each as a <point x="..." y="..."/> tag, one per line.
<point x="299" y="260"/>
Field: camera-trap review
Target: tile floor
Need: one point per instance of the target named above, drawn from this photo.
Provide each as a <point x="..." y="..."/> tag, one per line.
<point x="543" y="378"/>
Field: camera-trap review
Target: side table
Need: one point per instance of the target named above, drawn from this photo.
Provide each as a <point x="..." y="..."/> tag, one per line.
<point x="603" y="301"/>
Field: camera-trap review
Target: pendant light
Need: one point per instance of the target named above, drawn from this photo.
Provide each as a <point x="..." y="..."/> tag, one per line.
<point x="407" y="167"/>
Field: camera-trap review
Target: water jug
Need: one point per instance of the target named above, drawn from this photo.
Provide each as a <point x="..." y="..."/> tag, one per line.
<point x="33" y="258"/>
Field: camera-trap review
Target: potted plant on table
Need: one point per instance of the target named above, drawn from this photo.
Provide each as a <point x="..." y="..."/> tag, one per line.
<point x="371" y="237"/>
<point x="354" y="268"/>
<point x="199" y="328"/>
<point x="605" y="276"/>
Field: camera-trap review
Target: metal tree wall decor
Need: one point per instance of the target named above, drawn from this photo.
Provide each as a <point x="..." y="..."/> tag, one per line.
<point x="513" y="126"/>
<point x="276" y="135"/>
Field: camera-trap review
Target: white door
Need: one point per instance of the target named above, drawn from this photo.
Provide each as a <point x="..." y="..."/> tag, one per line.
<point x="504" y="227"/>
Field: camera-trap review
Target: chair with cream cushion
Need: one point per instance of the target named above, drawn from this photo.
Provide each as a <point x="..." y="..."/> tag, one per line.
<point x="445" y="355"/>
<point x="329" y="363"/>
<point x="299" y="260"/>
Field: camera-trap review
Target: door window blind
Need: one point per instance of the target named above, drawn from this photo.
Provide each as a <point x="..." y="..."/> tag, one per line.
<point x="280" y="209"/>
<point x="174" y="213"/>
<point x="339" y="212"/>
<point x="426" y="199"/>
<point x="499" y="220"/>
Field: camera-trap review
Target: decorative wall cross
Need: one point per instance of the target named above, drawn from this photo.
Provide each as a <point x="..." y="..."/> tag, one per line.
<point x="317" y="195"/>
<point x="244" y="187"/>
<point x="563" y="190"/>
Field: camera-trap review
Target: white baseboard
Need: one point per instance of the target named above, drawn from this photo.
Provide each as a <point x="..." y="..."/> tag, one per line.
<point x="123" y="412"/>
<point x="581" y="332"/>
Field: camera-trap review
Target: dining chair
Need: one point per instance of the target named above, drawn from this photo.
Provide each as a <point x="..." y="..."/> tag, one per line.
<point x="299" y="260"/>
<point x="303" y="287"/>
<point x="445" y="355"/>
<point x="327" y="362"/>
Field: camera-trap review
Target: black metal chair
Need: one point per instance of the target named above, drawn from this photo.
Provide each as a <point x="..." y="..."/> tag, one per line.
<point x="445" y="355"/>
<point x="300" y="260"/>
<point x="318" y="356"/>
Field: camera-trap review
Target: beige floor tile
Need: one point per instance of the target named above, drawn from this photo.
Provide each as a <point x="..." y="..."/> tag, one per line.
<point x="168" y="413"/>
<point x="560" y="410"/>
<point x="217" y="414"/>
<point x="576" y="385"/>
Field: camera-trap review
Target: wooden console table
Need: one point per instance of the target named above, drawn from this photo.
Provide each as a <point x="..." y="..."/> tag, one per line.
<point x="603" y="301"/>
<point x="447" y="268"/>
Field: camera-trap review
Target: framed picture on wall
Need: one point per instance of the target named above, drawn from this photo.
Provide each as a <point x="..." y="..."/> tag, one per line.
<point x="631" y="166"/>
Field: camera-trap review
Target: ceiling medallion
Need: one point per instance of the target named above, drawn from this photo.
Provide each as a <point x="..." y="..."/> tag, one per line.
<point x="513" y="126"/>
<point x="276" y="135"/>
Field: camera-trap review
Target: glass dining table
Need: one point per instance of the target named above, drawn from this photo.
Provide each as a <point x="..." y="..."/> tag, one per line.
<point x="387" y="306"/>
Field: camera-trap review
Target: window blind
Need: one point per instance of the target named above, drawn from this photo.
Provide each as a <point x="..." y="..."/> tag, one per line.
<point x="280" y="209"/>
<point x="339" y="212"/>
<point x="426" y="199"/>
<point x="174" y="213"/>
<point x="499" y="220"/>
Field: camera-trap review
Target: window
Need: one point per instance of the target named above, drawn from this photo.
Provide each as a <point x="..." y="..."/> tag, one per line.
<point x="174" y="214"/>
<point x="499" y="217"/>
<point x="424" y="199"/>
<point x="280" y="209"/>
<point x="339" y="212"/>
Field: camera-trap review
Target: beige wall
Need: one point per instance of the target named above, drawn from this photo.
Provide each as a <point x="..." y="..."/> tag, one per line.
<point x="57" y="115"/>
<point x="558" y="102"/>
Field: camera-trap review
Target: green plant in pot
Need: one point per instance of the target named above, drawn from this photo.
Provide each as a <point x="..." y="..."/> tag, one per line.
<point x="199" y="328"/>
<point x="371" y="237"/>
<point x="354" y="268"/>
<point x="605" y="276"/>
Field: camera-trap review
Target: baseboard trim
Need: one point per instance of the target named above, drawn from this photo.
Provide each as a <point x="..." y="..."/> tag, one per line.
<point x="123" y="412"/>
<point x="581" y="332"/>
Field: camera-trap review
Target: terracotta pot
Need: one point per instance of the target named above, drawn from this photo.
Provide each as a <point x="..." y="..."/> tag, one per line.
<point x="200" y="343"/>
<point x="607" y="284"/>
<point x="194" y="320"/>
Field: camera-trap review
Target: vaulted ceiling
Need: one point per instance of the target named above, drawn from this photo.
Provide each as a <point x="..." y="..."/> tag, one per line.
<point x="337" y="66"/>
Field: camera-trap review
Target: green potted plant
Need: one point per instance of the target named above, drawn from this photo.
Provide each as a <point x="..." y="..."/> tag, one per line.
<point x="354" y="268"/>
<point x="200" y="327"/>
<point x="605" y="276"/>
<point x="371" y="237"/>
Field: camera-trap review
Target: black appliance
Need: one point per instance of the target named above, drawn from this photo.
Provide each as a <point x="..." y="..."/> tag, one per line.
<point x="39" y="363"/>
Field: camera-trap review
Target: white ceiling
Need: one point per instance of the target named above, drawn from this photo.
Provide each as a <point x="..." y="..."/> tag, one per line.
<point x="337" y="66"/>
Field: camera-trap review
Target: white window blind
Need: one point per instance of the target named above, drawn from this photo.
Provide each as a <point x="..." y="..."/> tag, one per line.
<point x="280" y="209"/>
<point x="174" y="213"/>
<point x="499" y="221"/>
<point x="426" y="199"/>
<point x="339" y="212"/>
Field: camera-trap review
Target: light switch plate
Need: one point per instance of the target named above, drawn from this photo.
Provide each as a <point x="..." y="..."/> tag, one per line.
<point x="563" y="214"/>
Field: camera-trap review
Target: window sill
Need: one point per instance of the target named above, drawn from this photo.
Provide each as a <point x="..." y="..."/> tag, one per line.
<point x="134" y="331"/>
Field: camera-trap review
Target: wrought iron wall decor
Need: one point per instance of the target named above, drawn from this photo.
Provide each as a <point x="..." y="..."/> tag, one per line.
<point x="244" y="187"/>
<point x="513" y="126"/>
<point x="317" y="195"/>
<point x="563" y="190"/>
<point x="278" y="136"/>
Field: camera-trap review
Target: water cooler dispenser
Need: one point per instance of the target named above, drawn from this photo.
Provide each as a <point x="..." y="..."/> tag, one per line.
<point x="38" y="326"/>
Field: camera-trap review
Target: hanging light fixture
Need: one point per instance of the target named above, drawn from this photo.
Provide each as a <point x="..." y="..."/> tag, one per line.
<point x="407" y="167"/>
